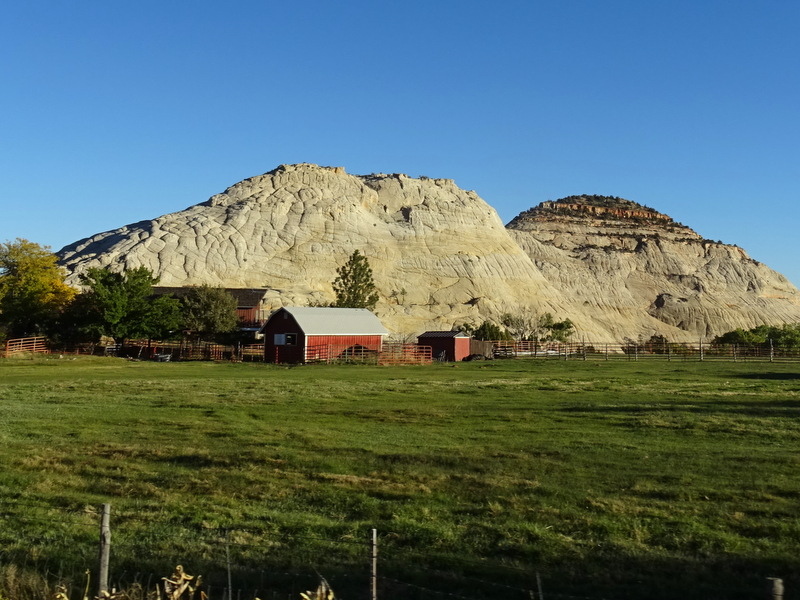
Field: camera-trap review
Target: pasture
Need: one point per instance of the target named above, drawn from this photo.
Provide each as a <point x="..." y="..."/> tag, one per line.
<point x="607" y="479"/>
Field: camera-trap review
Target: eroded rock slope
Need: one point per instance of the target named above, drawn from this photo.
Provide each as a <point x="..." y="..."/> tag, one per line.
<point x="441" y="256"/>
<point x="626" y="263"/>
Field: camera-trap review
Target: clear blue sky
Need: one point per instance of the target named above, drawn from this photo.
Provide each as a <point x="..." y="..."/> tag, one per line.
<point x="113" y="112"/>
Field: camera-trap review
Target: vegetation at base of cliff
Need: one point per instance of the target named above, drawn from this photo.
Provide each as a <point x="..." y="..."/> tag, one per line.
<point x="209" y="312"/>
<point x="35" y="301"/>
<point x="522" y="327"/>
<point x="610" y="479"/>
<point x="32" y="288"/>
<point x="355" y="287"/>
<point x="785" y="337"/>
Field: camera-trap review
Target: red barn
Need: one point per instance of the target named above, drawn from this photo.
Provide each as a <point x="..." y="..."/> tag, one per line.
<point x="446" y="345"/>
<point x="298" y="334"/>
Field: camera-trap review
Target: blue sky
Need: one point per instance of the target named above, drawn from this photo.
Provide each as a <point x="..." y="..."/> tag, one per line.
<point x="111" y="113"/>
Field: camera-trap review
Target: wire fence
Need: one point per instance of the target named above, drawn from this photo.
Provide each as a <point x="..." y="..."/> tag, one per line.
<point x="67" y="549"/>
<point x="644" y="351"/>
<point x="236" y="563"/>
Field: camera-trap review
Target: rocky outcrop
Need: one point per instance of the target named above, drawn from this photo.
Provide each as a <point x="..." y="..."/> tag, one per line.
<point x="631" y="264"/>
<point x="441" y="256"/>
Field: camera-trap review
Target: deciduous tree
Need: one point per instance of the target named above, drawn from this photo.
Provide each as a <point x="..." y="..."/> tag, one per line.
<point x="209" y="311"/>
<point x="122" y="306"/>
<point x="32" y="288"/>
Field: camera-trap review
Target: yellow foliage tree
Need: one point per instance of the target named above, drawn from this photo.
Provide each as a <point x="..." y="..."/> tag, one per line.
<point x="32" y="288"/>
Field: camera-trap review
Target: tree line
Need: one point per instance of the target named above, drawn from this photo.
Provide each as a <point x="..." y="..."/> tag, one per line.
<point x="35" y="300"/>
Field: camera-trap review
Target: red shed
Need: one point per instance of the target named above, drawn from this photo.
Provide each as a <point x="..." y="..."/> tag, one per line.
<point x="446" y="345"/>
<point x="297" y="334"/>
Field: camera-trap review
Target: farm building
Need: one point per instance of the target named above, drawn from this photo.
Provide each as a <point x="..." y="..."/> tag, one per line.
<point x="446" y="345"/>
<point x="302" y="334"/>
<point x="250" y="303"/>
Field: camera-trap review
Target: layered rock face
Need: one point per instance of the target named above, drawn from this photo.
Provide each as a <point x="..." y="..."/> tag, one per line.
<point x="626" y="263"/>
<point x="441" y="256"/>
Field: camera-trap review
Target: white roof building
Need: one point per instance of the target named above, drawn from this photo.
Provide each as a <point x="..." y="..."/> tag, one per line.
<point x="316" y="320"/>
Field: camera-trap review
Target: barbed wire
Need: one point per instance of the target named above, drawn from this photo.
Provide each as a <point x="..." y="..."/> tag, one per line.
<point x="87" y="509"/>
<point x="405" y="552"/>
<point x="419" y="587"/>
<point x="475" y="579"/>
<point x="42" y="520"/>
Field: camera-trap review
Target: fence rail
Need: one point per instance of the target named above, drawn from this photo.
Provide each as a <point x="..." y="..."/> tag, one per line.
<point x="389" y="354"/>
<point x="415" y="354"/>
<point x="26" y="345"/>
<point x="635" y="351"/>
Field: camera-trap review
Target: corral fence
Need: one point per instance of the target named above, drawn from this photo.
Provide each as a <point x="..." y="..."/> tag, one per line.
<point x="37" y="345"/>
<point x="415" y="354"/>
<point x="644" y="351"/>
<point x="389" y="354"/>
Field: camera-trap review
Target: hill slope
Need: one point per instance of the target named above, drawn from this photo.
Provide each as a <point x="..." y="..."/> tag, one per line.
<point x="621" y="259"/>
<point x="441" y="256"/>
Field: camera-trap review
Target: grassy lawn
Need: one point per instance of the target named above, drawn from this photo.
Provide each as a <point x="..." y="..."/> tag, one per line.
<point x="609" y="479"/>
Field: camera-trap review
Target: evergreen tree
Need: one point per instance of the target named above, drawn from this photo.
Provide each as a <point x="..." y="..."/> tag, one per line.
<point x="354" y="287"/>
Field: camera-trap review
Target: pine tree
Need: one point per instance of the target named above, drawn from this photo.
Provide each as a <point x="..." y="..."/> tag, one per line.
<point x="354" y="287"/>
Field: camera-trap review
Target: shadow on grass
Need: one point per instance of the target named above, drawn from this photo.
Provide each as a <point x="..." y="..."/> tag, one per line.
<point x="618" y="578"/>
<point x="772" y="376"/>
<point x="758" y="408"/>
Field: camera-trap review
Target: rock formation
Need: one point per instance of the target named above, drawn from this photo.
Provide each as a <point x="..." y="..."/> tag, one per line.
<point x="626" y="263"/>
<point x="441" y="256"/>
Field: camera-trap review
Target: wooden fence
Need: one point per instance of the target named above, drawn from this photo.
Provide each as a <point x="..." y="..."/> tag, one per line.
<point x="405" y="354"/>
<point x="26" y="345"/>
<point x="389" y="354"/>
<point x="645" y="351"/>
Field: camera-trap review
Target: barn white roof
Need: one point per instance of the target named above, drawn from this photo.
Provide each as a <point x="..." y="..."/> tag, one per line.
<point x="335" y="321"/>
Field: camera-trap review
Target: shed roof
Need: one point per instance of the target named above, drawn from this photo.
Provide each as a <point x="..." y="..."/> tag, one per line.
<point x="443" y="334"/>
<point x="315" y="320"/>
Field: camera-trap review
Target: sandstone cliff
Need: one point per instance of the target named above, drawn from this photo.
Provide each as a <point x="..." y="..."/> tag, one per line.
<point x="626" y="263"/>
<point x="441" y="256"/>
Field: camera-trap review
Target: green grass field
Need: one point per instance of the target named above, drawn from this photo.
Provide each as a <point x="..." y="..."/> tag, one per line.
<point x="609" y="479"/>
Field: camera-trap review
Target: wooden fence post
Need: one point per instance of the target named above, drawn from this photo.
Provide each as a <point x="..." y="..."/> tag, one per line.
<point x="374" y="576"/>
<point x="228" y="560"/>
<point x="105" y="550"/>
<point x="776" y="588"/>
